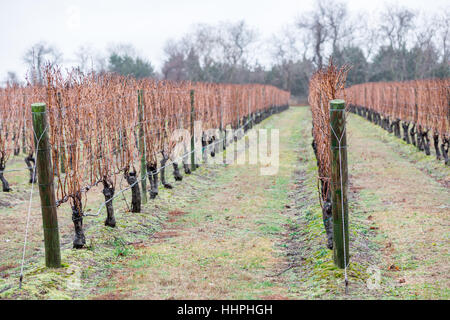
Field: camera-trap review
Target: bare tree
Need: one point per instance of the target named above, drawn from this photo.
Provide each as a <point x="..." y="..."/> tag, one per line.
<point x="174" y="65"/>
<point x="39" y="54"/>
<point x="327" y="24"/>
<point x="396" y="24"/>
<point x="210" y="53"/>
<point x="11" y="78"/>
<point x="337" y="21"/>
<point x="285" y="52"/>
<point x="235" y="40"/>
<point x="101" y="63"/>
<point x="443" y="34"/>
<point x="201" y="51"/>
<point x="285" y="45"/>
<point x="314" y="23"/>
<point x="122" y="49"/>
<point x="85" y="58"/>
<point x="369" y="36"/>
<point x="425" y="52"/>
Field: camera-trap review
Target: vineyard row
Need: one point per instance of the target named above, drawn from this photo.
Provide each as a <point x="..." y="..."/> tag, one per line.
<point x="101" y="126"/>
<point x="421" y="107"/>
<point x="325" y="85"/>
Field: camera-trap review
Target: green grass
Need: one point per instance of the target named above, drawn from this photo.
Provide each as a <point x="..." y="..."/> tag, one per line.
<point x="241" y="229"/>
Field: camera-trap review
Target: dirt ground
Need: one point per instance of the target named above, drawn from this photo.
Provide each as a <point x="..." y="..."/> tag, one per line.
<point x="228" y="232"/>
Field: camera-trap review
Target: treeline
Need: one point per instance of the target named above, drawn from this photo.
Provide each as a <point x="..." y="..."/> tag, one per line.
<point x="395" y="44"/>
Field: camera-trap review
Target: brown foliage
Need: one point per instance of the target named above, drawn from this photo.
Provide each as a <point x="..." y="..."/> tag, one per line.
<point x="423" y="102"/>
<point x="325" y="85"/>
<point x="93" y="120"/>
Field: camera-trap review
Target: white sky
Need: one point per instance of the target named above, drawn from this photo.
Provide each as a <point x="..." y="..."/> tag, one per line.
<point x="146" y="24"/>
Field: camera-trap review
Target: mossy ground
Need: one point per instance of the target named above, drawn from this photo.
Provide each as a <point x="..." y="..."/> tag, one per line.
<point x="406" y="196"/>
<point x="227" y="232"/>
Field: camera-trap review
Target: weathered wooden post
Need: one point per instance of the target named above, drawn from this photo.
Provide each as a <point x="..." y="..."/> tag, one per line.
<point x="46" y="187"/>
<point x="142" y="146"/>
<point x="193" y="166"/>
<point x="339" y="182"/>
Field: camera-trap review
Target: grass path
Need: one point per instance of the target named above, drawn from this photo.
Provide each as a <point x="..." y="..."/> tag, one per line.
<point x="228" y="232"/>
<point x="221" y="244"/>
<point x="404" y="196"/>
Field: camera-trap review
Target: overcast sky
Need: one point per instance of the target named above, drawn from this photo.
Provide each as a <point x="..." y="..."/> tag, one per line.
<point x="146" y="24"/>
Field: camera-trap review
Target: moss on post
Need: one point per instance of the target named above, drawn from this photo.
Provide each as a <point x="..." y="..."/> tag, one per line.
<point x="339" y="183"/>
<point x="46" y="187"/>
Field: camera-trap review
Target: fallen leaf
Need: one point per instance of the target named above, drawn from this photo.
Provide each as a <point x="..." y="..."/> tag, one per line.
<point x="393" y="267"/>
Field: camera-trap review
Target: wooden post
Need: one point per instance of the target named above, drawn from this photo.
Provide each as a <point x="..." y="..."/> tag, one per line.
<point x="193" y="166"/>
<point x="142" y="146"/>
<point x="46" y="187"/>
<point x="339" y="182"/>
